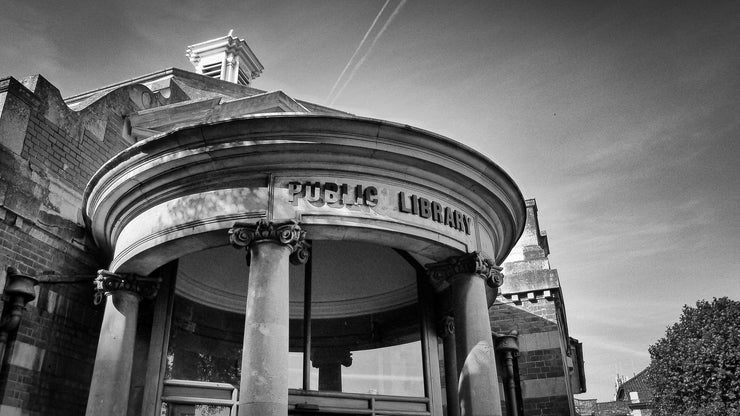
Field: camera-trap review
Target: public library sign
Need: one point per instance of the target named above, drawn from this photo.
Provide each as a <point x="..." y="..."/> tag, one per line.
<point x="309" y="195"/>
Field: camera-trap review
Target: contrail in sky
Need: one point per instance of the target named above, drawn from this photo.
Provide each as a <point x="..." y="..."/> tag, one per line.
<point x="362" y="42"/>
<point x="369" y="49"/>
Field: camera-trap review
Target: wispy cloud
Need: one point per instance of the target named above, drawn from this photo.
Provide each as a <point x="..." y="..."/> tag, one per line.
<point x="598" y="343"/>
<point x="361" y="61"/>
<point x="357" y="50"/>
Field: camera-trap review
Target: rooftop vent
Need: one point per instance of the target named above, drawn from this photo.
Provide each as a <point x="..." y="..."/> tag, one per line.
<point x="226" y="58"/>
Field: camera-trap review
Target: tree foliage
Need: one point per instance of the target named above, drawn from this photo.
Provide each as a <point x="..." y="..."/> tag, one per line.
<point x="695" y="368"/>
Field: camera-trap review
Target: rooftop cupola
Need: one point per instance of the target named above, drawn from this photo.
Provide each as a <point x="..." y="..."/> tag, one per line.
<point x="226" y="58"/>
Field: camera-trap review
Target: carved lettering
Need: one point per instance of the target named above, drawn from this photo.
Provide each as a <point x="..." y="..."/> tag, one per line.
<point x="425" y="208"/>
<point x="313" y="192"/>
<point x="371" y="196"/>
<point x="449" y="218"/>
<point x="402" y="203"/>
<point x="437" y="211"/>
<point x="341" y="195"/>
<point x="331" y="194"/>
<point x="295" y="190"/>
<point x="347" y="197"/>
<point x="459" y="221"/>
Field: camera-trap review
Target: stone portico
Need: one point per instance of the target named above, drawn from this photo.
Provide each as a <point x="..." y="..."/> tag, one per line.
<point x="270" y="183"/>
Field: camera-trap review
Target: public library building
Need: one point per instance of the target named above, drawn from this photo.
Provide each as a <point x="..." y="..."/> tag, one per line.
<point x="190" y="245"/>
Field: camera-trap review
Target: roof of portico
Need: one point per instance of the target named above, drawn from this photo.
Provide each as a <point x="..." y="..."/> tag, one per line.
<point x="166" y="106"/>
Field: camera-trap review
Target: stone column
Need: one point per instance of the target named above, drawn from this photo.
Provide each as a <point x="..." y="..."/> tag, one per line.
<point x="468" y="276"/>
<point x="264" y="374"/>
<point x="447" y="332"/>
<point x="329" y="361"/>
<point x="111" y="379"/>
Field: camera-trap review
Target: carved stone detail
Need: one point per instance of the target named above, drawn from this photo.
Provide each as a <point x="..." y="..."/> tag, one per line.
<point x="321" y="357"/>
<point x="289" y="233"/>
<point x="446" y="326"/>
<point x="108" y="282"/>
<point x="473" y="262"/>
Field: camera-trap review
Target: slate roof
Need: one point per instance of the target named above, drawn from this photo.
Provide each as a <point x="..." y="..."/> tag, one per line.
<point x="616" y="408"/>
<point x="639" y="384"/>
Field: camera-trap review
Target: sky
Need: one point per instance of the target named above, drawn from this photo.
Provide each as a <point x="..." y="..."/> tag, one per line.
<point x="619" y="118"/>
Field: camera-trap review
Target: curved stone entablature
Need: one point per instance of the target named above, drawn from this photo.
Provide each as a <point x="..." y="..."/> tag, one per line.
<point x="341" y="177"/>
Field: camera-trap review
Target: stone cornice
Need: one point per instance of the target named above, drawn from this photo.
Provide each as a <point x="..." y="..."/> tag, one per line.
<point x="108" y="282"/>
<point x="256" y="147"/>
<point x="471" y="263"/>
<point x="287" y="233"/>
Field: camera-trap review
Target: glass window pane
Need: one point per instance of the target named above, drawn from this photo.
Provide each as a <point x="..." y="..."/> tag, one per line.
<point x="171" y="409"/>
<point x="365" y="327"/>
<point x="392" y="370"/>
<point x="205" y="343"/>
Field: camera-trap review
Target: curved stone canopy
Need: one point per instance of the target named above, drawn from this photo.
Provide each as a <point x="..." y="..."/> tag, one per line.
<point x="178" y="192"/>
<point x="349" y="279"/>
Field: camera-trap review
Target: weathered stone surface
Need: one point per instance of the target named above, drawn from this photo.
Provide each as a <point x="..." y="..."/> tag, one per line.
<point x="264" y="385"/>
<point x="475" y="355"/>
<point x="115" y="356"/>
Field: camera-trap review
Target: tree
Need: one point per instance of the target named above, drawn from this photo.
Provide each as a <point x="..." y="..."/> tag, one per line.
<point x="695" y="368"/>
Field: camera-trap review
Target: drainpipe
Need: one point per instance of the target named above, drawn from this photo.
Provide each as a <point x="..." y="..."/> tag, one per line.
<point x="508" y="346"/>
<point x="19" y="290"/>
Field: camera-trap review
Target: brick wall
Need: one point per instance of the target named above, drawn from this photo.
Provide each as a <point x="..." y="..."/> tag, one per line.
<point x="542" y="373"/>
<point x="48" y="363"/>
<point x="73" y="160"/>
<point x="547" y="406"/>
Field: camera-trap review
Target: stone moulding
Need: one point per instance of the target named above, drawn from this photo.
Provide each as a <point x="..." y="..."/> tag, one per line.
<point x="191" y="160"/>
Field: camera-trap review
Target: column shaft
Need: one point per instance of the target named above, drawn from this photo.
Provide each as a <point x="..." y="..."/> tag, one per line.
<point x="111" y="380"/>
<point x="478" y="383"/>
<point x="451" y="380"/>
<point x="264" y="382"/>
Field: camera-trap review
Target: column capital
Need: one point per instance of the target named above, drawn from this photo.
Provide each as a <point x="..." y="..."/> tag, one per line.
<point x="108" y="282"/>
<point x="471" y="263"/>
<point x="321" y="357"/>
<point x="446" y="326"/>
<point x="288" y="233"/>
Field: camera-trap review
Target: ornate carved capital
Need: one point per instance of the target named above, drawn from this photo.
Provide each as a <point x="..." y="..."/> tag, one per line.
<point x="446" y="326"/>
<point x="289" y="233"/>
<point x="108" y="282"/>
<point x="474" y="262"/>
<point x="321" y="357"/>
